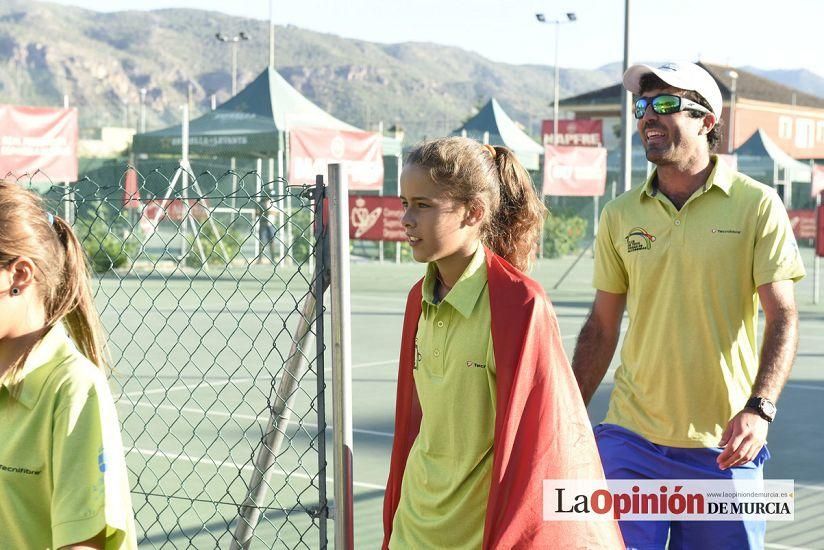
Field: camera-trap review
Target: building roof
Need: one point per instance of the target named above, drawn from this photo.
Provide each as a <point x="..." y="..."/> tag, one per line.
<point x="748" y="86"/>
<point x="759" y="150"/>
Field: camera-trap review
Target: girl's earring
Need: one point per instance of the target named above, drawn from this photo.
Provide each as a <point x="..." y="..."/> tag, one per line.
<point x="15" y="291"/>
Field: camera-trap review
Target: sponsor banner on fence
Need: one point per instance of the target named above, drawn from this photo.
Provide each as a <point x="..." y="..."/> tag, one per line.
<point x="578" y="132"/>
<point x="40" y="139"/>
<point x="818" y="179"/>
<point x="819" y="241"/>
<point x="375" y="218"/>
<point x="669" y="499"/>
<point x="312" y="150"/>
<point x="803" y="222"/>
<point x="574" y="171"/>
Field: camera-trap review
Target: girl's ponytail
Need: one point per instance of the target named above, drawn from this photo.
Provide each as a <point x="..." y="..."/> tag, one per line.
<point x="74" y="302"/>
<point x="515" y="227"/>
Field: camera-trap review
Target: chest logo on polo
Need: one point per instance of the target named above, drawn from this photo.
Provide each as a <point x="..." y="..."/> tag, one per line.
<point x="639" y="239"/>
<point x="474" y="365"/>
<point x="19" y="470"/>
<point x="726" y="231"/>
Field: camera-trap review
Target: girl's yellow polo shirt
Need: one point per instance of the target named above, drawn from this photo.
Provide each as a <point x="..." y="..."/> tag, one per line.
<point x="446" y="482"/>
<point x="62" y="467"/>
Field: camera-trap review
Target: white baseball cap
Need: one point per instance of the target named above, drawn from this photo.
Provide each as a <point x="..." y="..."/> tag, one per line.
<point x="687" y="76"/>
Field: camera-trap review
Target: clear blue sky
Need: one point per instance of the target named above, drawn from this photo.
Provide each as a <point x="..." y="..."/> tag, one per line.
<point x="770" y="34"/>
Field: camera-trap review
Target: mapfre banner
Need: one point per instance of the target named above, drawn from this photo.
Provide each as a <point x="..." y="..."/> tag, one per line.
<point x="38" y="142"/>
<point x="376" y="218"/>
<point x="313" y="149"/>
<point x="579" y="132"/>
<point x="574" y="171"/>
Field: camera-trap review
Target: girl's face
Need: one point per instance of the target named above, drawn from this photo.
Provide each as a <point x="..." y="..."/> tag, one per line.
<point x="437" y="227"/>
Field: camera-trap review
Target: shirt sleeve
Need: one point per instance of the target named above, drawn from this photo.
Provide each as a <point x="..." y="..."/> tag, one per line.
<point x="88" y="468"/>
<point x="610" y="274"/>
<point x="776" y="256"/>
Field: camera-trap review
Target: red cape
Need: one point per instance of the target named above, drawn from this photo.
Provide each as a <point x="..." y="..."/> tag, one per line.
<point x="541" y="427"/>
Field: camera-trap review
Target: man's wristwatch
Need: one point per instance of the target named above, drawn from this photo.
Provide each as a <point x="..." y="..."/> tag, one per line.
<point x="763" y="406"/>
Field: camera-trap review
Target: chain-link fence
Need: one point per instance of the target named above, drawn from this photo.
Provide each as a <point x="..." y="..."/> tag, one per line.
<point x="208" y="291"/>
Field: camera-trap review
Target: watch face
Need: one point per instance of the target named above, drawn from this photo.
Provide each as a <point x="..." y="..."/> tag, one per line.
<point x="768" y="408"/>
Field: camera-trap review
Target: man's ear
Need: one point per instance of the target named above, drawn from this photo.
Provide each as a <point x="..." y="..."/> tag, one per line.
<point x="708" y="123"/>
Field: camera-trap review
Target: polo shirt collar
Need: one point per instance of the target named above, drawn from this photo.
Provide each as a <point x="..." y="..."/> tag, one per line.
<point x="54" y="348"/>
<point x="720" y="177"/>
<point x="464" y="295"/>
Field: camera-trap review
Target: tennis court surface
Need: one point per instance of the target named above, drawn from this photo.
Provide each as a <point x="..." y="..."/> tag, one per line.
<point x="194" y="409"/>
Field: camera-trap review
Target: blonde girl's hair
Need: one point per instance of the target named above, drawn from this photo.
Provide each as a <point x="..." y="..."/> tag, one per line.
<point x="61" y="270"/>
<point x="469" y="172"/>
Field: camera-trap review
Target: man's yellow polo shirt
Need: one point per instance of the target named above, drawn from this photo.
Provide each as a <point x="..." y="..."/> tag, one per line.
<point x="448" y="473"/>
<point x="690" y="354"/>
<point x="62" y="468"/>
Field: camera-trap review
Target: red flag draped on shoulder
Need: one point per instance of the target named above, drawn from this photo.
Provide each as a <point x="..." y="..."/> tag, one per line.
<point x="541" y="426"/>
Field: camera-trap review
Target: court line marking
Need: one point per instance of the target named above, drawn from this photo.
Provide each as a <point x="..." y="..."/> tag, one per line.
<point x="261" y="418"/>
<point x="194" y="386"/>
<point x="810" y="487"/>
<point x="173" y="457"/>
<point x="180" y="387"/>
<point x="783" y="547"/>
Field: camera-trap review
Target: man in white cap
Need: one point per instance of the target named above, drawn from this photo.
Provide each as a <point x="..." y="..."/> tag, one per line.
<point x="689" y="254"/>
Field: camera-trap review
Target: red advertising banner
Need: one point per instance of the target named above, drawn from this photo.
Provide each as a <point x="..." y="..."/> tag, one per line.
<point x="819" y="241"/>
<point x="574" y="171"/>
<point x="818" y="179"/>
<point x="176" y="209"/>
<point x="313" y="149"/>
<point x="803" y="222"/>
<point x="374" y="218"/>
<point x="578" y="132"/>
<point x="131" y="192"/>
<point x="40" y="139"/>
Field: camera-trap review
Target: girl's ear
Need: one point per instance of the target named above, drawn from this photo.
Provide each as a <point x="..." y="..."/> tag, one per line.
<point x="22" y="273"/>
<point x="474" y="213"/>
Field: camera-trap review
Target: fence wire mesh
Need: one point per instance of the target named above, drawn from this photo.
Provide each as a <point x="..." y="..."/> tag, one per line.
<point x="208" y="291"/>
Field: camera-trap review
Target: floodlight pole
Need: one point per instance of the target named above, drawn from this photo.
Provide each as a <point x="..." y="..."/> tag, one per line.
<point x="731" y="135"/>
<point x="570" y="18"/>
<point x="142" y="110"/>
<point x="272" y="33"/>
<point x="233" y="41"/>
<point x="626" y="110"/>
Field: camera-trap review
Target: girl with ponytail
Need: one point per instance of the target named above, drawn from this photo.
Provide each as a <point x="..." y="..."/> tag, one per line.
<point x="62" y="466"/>
<point x="487" y="406"/>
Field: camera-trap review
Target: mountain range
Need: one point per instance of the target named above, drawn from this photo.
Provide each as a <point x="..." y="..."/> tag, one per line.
<point x="100" y="61"/>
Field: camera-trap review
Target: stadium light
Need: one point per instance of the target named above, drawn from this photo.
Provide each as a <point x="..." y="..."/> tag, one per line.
<point x="570" y="18"/>
<point x="234" y="41"/>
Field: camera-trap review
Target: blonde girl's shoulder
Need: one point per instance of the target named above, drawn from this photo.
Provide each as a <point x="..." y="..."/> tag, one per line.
<point x="76" y="379"/>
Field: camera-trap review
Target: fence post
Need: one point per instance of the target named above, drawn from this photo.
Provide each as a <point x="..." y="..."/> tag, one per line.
<point x="341" y="357"/>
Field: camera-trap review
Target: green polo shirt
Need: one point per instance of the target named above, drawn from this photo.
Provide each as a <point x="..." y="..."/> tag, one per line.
<point x="62" y="468"/>
<point x="448" y="472"/>
<point x="690" y="354"/>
